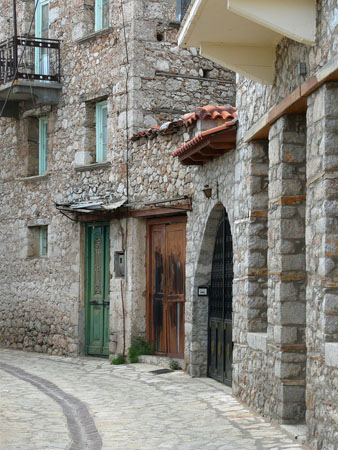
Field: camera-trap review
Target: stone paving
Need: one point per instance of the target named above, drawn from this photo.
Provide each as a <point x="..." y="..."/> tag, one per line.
<point x="51" y="402"/>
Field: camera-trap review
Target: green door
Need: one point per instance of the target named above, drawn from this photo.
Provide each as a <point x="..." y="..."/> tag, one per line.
<point x="97" y="289"/>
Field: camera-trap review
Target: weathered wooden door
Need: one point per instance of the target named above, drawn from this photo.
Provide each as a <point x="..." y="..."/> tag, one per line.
<point x="220" y="306"/>
<point x="166" y="285"/>
<point x="97" y="290"/>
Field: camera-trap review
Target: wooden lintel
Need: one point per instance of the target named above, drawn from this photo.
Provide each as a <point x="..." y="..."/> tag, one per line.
<point x="294" y="103"/>
<point x="103" y="217"/>
<point x="156" y="212"/>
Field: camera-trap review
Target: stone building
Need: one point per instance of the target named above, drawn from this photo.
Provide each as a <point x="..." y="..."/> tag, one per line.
<point x="279" y="191"/>
<point x="214" y="233"/>
<point x="78" y="81"/>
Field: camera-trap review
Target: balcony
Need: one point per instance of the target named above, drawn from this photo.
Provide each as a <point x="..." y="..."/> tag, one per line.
<point x="29" y="71"/>
<point x="241" y="35"/>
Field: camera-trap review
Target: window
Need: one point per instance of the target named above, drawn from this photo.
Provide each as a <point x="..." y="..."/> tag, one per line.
<point x="181" y="9"/>
<point x="43" y="244"/>
<point x="43" y="144"/>
<point x="101" y="14"/>
<point x="38" y="241"/>
<point x="101" y="131"/>
<point x="42" y="31"/>
<point x="37" y="144"/>
<point x="94" y="148"/>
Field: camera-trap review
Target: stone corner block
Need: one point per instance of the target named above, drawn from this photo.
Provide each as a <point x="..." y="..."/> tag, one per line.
<point x="257" y="341"/>
<point x="331" y="354"/>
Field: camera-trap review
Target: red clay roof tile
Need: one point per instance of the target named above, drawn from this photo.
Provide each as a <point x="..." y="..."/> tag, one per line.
<point x="209" y="112"/>
<point x="193" y="151"/>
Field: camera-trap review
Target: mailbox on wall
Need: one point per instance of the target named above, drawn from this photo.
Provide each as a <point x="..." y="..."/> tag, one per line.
<point x="119" y="264"/>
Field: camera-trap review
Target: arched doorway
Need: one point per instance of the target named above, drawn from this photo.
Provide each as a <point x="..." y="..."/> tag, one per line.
<point x="220" y="305"/>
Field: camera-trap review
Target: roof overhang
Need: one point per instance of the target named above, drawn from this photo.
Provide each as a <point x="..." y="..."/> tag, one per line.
<point x="207" y="145"/>
<point x="242" y="34"/>
<point x="90" y="207"/>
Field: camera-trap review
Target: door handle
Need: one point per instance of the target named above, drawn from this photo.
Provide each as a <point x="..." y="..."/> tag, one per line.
<point x="94" y="303"/>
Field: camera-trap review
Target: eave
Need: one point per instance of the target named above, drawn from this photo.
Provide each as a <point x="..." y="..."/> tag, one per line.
<point x="242" y="34"/>
<point x="208" y="145"/>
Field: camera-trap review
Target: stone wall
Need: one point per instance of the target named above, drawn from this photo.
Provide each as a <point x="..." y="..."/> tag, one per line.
<point x="286" y="267"/>
<point x="321" y="264"/>
<point x="42" y="307"/>
<point x="307" y="170"/>
<point x="230" y="173"/>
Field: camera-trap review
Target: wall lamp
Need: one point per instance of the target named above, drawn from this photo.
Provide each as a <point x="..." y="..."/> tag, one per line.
<point x="208" y="191"/>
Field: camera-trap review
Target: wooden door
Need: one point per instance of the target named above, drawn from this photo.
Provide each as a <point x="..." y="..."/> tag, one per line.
<point x="220" y="306"/>
<point x="97" y="290"/>
<point x="166" y="285"/>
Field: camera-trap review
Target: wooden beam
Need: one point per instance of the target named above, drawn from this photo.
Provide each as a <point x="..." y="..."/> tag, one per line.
<point x="190" y="162"/>
<point x="157" y="212"/>
<point x="199" y="157"/>
<point x="295" y="103"/>
<point x="212" y="151"/>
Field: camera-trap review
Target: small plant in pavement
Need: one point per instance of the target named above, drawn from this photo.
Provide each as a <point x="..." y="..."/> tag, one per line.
<point x="139" y="347"/>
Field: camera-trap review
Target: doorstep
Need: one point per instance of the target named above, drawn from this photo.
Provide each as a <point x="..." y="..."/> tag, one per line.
<point x="297" y="432"/>
<point x="162" y="361"/>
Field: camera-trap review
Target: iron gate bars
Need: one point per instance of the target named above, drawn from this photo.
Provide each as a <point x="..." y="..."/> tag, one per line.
<point x="37" y="59"/>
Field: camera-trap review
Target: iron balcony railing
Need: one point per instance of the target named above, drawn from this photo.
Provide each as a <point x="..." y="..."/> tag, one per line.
<point x="181" y="9"/>
<point x="29" y="59"/>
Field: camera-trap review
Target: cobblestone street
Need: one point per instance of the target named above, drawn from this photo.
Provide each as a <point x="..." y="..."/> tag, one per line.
<point x="86" y="403"/>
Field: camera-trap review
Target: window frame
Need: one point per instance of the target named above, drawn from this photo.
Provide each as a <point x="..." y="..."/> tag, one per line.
<point x="41" y="55"/>
<point x="43" y="241"/>
<point x="101" y="108"/>
<point x="99" y="15"/>
<point x="43" y="144"/>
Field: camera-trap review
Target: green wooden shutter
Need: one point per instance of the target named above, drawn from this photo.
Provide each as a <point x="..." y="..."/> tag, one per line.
<point x="105" y="13"/>
<point x="43" y="242"/>
<point x="43" y="144"/>
<point x="101" y="131"/>
<point x="101" y="14"/>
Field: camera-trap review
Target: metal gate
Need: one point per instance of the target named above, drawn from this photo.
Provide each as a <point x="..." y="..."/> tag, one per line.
<point x="220" y="306"/>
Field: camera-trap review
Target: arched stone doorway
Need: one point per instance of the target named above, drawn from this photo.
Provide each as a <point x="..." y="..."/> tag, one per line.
<point x="198" y="342"/>
<point x="220" y="305"/>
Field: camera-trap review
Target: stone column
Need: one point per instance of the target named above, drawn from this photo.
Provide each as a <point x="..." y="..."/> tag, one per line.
<point x="322" y="266"/>
<point x="257" y="182"/>
<point x="286" y="267"/>
<point x="250" y="281"/>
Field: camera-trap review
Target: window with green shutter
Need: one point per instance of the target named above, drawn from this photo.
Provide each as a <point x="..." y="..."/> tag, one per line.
<point x="43" y="145"/>
<point x="101" y="131"/>
<point x="101" y="14"/>
<point x="37" y="241"/>
<point x="43" y="253"/>
<point x="42" y="31"/>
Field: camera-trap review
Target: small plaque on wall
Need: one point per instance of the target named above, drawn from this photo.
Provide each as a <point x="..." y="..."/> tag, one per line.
<point x="202" y="291"/>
